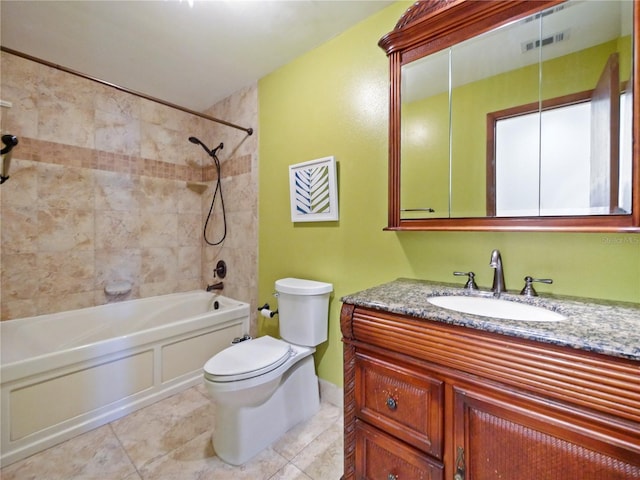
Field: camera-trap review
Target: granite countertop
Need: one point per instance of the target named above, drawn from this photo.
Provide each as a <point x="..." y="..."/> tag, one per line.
<point x="607" y="327"/>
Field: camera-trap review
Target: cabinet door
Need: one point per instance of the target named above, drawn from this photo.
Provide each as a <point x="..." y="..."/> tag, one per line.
<point x="498" y="437"/>
<point x="400" y="400"/>
<point x="382" y="457"/>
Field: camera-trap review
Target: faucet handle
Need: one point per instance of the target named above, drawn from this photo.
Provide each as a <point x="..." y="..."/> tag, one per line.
<point x="471" y="283"/>
<point x="528" y="289"/>
<point x="220" y="270"/>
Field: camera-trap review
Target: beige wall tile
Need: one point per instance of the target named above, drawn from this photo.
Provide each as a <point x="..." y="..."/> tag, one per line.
<point x="116" y="191"/>
<point x="19" y="276"/>
<point x="115" y="132"/>
<point x="55" y="234"/>
<point x="98" y="193"/>
<point x="19" y="72"/>
<point x="189" y="263"/>
<point x="65" y="122"/>
<point x="58" y="87"/>
<point x="161" y="143"/>
<point x="189" y="201"/>
<point x="241" y="229"/>
<point x="114" y="101"/>
<point x="158" y="264"/>
<point x="189" y="229"/>
<point x="240" y="193"/>
<point x="117" y="229"/>
<point x="158" y="229"/>
<point x="22" y="190"/>
<point x="78" y="267"/>
<point x="23" y="115"/>
<point x="158" y="114"/>
<point x="158" y="195"/>
<point x="158" y="288"/>
<point x="63" y="303"/>
<point x="65" y="188"/>
<point x="18" y="309"/>
<point x="188" y="284"/>
<point x="19" y="229"/>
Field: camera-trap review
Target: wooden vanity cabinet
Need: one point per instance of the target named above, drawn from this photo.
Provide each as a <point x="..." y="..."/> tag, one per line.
<point x="400" y="400"/>
<point x="501" y="437"/>
<point x="426" y="400"/>
<point x="381" y="456"/>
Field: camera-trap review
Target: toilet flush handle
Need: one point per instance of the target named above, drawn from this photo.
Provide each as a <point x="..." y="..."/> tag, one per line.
<point x="243" y="338"/>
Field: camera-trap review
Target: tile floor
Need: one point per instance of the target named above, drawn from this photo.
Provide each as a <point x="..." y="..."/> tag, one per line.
<point x="170" y="440"/>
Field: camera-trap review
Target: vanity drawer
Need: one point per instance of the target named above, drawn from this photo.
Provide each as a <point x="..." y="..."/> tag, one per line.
<point x="380" y="456"/>
<point x="400" y="400"/>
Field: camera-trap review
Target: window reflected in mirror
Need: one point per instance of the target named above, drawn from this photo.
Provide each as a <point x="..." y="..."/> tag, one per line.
<point x="565" y="174"/>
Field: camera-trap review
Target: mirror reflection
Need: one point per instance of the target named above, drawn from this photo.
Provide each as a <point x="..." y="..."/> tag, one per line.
<point x="531" y="119"/>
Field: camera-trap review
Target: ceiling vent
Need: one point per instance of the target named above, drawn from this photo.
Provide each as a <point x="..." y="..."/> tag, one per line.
<point x="546" y="41"/>
<point x="547" y="12"/>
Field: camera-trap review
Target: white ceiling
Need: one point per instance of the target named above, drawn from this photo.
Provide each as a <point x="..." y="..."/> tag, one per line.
<point x="192" y="54"/>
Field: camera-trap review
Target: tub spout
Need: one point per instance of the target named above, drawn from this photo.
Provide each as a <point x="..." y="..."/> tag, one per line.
<point x="215" y="286"/>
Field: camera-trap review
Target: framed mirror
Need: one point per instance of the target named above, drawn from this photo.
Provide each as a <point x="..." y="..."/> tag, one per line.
<point x="514" y="115"/>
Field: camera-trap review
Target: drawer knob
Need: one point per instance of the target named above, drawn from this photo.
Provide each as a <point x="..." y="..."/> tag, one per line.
<point x="392" y="404"/>
<point x="391" y="476"/>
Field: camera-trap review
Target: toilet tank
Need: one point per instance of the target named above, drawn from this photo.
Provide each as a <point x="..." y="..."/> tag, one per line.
<point x="303" y="310"/>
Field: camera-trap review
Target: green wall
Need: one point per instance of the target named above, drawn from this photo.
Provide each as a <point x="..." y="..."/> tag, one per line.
<point x="334" y="101"/>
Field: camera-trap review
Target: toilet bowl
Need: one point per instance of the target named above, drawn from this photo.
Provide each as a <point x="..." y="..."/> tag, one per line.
<point x="247" y="374"/>
<point x="265" y="386"/>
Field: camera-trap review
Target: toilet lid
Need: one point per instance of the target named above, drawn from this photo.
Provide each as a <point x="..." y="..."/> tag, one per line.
<point x="247" y="359"/>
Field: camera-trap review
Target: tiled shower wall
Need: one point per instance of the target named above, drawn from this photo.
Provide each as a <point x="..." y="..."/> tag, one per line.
<point x="102" y="191"/>
<point x="239" y="161"/>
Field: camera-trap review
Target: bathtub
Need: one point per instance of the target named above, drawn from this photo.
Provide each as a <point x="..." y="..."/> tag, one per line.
<point x="66" y="373"/>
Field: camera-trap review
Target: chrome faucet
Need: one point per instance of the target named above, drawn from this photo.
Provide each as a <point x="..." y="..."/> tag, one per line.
<point x="498" y="275"/>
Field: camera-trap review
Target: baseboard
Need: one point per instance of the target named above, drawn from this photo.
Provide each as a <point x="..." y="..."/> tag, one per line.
<point x="331" y="393"/>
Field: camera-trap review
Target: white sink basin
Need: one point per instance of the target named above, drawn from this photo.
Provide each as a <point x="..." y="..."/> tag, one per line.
<point x="496" y="308"/>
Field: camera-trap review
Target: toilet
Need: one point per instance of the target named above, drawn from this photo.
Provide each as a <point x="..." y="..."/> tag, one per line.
<point x="265" y="386"/>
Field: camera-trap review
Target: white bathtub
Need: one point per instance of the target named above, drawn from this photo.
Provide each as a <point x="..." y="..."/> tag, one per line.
<point x="66" y="373"/>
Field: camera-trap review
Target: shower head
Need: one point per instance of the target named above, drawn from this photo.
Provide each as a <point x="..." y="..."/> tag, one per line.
<point x="206" y="149"/>
<point x="197" y="142"/>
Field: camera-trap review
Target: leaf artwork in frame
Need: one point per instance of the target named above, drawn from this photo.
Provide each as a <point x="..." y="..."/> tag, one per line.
<point x="313" y="191"/>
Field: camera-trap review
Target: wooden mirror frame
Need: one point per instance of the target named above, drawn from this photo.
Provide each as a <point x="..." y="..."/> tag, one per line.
<point x="430" y="26"/>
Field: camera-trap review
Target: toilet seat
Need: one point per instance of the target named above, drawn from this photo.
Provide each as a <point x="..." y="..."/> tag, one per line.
<point x="247" y="359"/>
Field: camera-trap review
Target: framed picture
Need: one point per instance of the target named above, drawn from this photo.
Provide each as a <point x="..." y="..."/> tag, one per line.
<point x="314" y="191"/>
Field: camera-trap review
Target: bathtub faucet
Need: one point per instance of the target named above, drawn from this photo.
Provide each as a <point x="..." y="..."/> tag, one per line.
<point x="215" y="286"/>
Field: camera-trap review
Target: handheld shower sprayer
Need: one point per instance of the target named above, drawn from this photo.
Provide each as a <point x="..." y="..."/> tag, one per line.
<point x="207" y="149"/>
<point x="212" y="153"/>
<point x="10" y="141"/>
